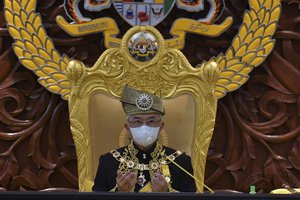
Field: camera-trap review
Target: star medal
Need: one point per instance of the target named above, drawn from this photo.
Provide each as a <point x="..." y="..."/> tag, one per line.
<point x="141" y="179"/>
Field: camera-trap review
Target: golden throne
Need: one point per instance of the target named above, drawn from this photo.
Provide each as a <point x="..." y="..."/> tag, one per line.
<point x="96" y="114"/>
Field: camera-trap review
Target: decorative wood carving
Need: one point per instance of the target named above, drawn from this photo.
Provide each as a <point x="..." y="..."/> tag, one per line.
<point x="257" y="134"/>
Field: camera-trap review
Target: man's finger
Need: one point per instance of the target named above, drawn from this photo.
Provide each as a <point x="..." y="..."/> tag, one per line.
<point x="131" y="177"/>
<point x="161" y="178"/>
<point x="119" y="174"/>
<point x="133" y="182"/>
<point x="155" y="181"/>
<point x="154" y="188"/>
<point x="123" y="176"/>
<point x="127" y="179"/>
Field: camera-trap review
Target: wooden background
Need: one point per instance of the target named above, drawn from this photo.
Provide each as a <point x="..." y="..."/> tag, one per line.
<point x="257" y="135"/>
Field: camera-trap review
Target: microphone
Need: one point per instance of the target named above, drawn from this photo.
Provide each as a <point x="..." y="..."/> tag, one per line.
<point x="188" y="173"/>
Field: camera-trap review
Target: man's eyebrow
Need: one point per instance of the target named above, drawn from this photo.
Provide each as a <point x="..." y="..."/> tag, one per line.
<point x="134" y="117"/>
<point x="155" y="117"/>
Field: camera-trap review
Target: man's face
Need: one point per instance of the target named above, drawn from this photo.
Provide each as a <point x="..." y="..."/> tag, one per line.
<point x="151" y="120"/>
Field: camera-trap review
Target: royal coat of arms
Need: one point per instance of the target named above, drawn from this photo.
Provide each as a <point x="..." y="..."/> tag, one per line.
<point x="83" y="14"/>
<point x="142" y="12"/>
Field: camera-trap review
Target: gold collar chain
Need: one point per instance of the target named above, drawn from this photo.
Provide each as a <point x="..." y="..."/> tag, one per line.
<point x="130" y="163"/>
<point x="158" y="163"/>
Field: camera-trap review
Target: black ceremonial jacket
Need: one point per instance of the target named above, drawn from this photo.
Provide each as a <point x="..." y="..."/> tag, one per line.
<point x="105" y="179"/>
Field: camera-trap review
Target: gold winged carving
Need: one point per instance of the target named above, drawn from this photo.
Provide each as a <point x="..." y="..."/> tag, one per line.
<point x="34" y="48"/>
<point x="249" y="48"/>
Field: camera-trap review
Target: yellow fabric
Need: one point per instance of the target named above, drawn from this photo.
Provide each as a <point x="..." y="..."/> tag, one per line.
<point x="284" y="191"/>
<point x="146" y="188"/>
<point x="165" y="170"/>
<point x="87" y="185"/>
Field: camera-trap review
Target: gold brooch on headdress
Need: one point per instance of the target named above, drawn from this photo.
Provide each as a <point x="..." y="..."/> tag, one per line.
<point x="144" y="101"/>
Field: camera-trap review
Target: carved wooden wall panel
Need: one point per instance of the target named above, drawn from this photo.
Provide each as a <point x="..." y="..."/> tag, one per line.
<point x="257" y="135"/>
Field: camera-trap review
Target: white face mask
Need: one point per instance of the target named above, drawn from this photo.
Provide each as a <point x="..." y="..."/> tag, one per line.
<point x="144" y="135"/>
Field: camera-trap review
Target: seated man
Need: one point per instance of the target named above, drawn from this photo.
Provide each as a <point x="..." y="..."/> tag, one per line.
<point x="142" y="166"/>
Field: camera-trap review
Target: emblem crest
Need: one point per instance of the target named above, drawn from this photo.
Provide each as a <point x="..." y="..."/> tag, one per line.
<point x="146" y="12"/>
<point x="142" y="12"/>
<point x="142" y="46"/>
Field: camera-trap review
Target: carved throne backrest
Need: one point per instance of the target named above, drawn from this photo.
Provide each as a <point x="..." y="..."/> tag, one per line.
<point x="96" y="115"/>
